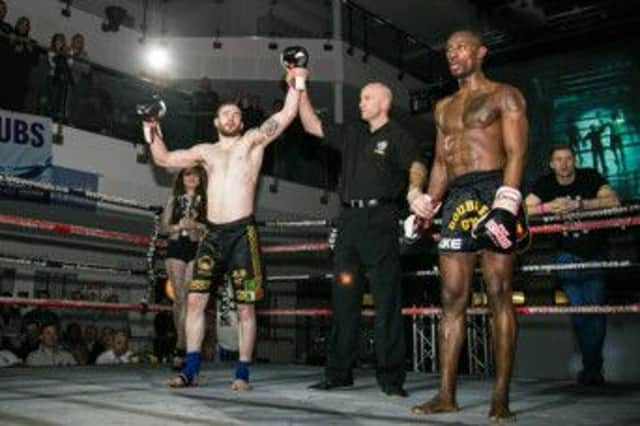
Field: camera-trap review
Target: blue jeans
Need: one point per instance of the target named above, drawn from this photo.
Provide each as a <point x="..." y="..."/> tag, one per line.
<point x="586" y="287"/>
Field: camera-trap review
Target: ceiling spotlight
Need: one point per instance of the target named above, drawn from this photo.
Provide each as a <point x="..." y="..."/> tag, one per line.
<point x="158" y="58"/>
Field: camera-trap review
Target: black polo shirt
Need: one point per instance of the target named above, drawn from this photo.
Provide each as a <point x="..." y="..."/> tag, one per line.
<point x="374" y="165"/>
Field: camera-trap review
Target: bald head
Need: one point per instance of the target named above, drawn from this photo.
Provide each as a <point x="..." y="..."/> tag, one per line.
<point x="383" y="91"/>
<point x="471" y="36"/>
<point x="375" y="101"/>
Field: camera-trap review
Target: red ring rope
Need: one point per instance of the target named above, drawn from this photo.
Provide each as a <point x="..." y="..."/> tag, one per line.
<point x="418" y="311"/>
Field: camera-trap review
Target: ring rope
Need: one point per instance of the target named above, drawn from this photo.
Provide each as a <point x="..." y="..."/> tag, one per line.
<point x="64" y="228"/>
<point x="557" y="228"/>
<point x="138" y="240"/>
<point x="70" y="265"/>
<point x="434" y="272"/>
<point x="295" y="223"/>
<point x="612" y="211"/>
<point x="81" y="193"/>
<point x="411" y="311"/>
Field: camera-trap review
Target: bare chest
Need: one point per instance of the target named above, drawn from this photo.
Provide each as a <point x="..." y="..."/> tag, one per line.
<point x="235" y="158"/>
<point x="471" y="112"/>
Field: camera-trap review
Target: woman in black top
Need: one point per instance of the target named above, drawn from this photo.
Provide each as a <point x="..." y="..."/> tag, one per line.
<point x="184" y="221"/>
<point x="59" y="77"/>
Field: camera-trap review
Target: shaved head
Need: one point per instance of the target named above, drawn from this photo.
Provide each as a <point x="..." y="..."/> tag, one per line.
<point x="375" y="101"/>
<point x="469" y="35"/>
<point x="384" y="91"/>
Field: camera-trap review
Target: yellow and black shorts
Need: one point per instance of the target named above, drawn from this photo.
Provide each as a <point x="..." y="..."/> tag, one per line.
<point x="231" y="248"/>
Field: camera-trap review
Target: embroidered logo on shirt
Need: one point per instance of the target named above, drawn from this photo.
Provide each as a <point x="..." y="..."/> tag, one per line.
<point x="381" y="147"/>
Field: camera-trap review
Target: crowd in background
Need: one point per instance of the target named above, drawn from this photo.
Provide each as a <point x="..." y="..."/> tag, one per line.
<point x="35" y="337"/>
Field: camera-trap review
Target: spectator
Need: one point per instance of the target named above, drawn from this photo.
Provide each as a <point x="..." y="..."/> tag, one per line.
<point x="6" y="32"/>
<point x="10" y="325"/>
<point x="29" y="338"/>
<point x="59" y="78"/>
<point x="120" y="352"/>
<point x="94" y="346"/>
<point x="41" y="315"/>
<point x="204" y="104"/>
<point x="106" y="337"/>
<point x="81" y="77"/>
<point x="49" y="353"/>
<point x="74" y="343"/>
<point x="569" y="189"/>
<point x="23" y="57"/>
<point x="184" y="220"/>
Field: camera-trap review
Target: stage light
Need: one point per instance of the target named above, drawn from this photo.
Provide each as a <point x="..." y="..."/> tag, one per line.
<point x="158" y="58"/>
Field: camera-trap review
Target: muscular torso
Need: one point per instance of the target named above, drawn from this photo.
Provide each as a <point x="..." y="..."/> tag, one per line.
<point x="233" y="171"/>
<point x="472" y="133"/>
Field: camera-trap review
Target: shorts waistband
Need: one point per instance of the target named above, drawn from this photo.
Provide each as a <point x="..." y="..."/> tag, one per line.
<point x="231" y="225"/>
<point x="361" y="203"/>
<point x="475" y="177"/>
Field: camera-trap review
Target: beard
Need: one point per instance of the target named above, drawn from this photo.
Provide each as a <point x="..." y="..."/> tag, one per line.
<point x="230" y="133"/>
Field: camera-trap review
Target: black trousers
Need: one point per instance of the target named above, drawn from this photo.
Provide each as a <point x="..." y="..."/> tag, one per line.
<point x="367" y="246"/>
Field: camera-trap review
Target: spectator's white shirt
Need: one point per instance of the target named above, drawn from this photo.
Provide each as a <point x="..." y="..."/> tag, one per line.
<point x="48" y="357"/>
<point x="109" y="357"/>
<point x="7" y="358"/>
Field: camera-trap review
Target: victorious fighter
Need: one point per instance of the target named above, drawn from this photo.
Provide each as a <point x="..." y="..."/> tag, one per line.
<point x="480" y="154"/>
<point x="231" y="240"/>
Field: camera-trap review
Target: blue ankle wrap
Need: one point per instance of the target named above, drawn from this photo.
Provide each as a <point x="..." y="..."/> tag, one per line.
<point x="242" y="370"/>
<point x="191" y="365"/>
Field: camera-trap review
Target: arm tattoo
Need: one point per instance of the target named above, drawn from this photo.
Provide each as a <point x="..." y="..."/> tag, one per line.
<point x="513" y="101"/>
<point x="269" y="127"/>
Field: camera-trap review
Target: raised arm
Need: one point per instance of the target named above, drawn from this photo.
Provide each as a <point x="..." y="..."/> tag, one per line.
<point x="309" y="118"/>
<point x="162" y="157"/>
<point x="278" y="122"/>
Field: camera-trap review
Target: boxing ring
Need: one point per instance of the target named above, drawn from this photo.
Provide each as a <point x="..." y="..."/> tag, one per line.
<point x="135" y="394"/>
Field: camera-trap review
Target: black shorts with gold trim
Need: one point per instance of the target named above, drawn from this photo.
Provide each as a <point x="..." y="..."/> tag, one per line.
<point x="232" y="248"/>
<point x="470" y="197"/>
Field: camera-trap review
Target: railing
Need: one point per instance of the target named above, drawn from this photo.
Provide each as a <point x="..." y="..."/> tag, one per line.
<point x="103" y="100"/>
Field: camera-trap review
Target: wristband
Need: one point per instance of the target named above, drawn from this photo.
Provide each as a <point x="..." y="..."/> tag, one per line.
<point x="543" y="208"/>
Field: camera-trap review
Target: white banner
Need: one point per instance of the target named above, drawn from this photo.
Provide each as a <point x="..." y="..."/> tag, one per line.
<point x="25" y="145"/>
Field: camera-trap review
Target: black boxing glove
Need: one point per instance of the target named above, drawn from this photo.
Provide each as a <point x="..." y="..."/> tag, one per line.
<point x="499" y="227"/>
<point x="295" y="57"/>
<point x="152" y="111"/>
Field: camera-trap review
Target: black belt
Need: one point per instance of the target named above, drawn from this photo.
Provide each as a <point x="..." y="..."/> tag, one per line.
<point x="365" y="202"/>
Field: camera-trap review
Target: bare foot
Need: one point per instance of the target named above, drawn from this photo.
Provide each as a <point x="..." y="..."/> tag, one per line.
<point x="435" y="405"/>
<point x="500" y="413"/>
<point x="181" y="381"/>
<point x="240" y="386"/>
